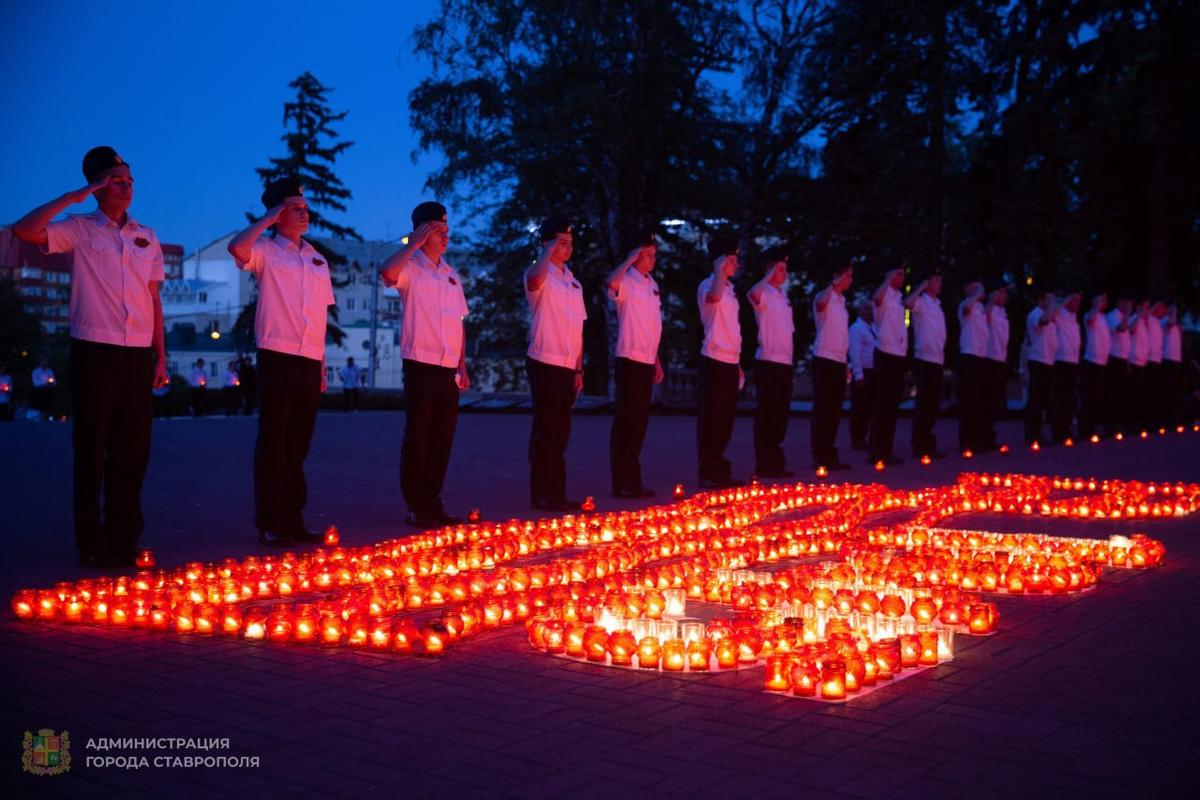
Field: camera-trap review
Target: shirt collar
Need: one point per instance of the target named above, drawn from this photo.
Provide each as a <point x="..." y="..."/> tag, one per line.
<point x="286" y="243"/>
<point x="102" y="220"/>
<point x="426" y="262"/>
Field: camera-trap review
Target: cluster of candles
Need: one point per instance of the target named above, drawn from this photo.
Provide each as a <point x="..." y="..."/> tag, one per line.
<point x="631" y="573"/>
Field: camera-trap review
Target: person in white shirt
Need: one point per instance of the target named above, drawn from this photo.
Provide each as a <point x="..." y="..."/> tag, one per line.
<point x="294" y="295"/>
<point x="433" y="348"/>
<point x="44" y="383"/>
<point x="1097" y="346"/>
<point x="198" y="380"/>
<point x="774" y="368"/>
<point x="230" y="394"/>
<point x="830" y="352"/>
<point x="554" y="362"/>
<point x="972" y="369"/>
<point x="720" y="373"/>
<point x="638" y="302"/>
<point x="6" y="394"/>
<point x="1139" y="356"/>
<point x="1066" y="368"/>
<point x="996" y="366"/>
<point x="117" y="351"/>
<point x="891" y="352"/>
<point x="1118" y="376"/>
<point x="929" y="333"/>
<point x="1172" y="364"/>
<point x="1042" y="345"/>
<point x="862" y="374"/>
<point x="351" y="375"/>
<point x="1154" y="342"/>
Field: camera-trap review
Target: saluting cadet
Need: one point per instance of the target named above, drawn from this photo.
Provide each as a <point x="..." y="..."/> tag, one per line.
<point x="44" y="382"/>
<point x="432" y="344"/>
<point x="636" y="296"/>
<point x="1066" y="367"/>
<point x="972" y="369"/>
<point x="1043" y="345"/>
<point x="720" y="372"/>
<point x="229" y="392"/>
<point x="198" y="380"/>
<point x="929" y="331"/>
<point x="997" y="366"/>
<point x="1154" y="342"/>
<point x="862" y="374"/>
<point x="830" y="351"/>
<point x="554" y="362"/>
<point x="117" y="351"/>
<point x="890" y="353"/>
<point x="1096" y="348"/>
<point x="350" y="375"/>
<point x="774" y="370"/>
<point x="1172" y="364"/>
<point x="294" y="295"/>
<point x="1139" y="356"/>
<point x="1118" y="377"/>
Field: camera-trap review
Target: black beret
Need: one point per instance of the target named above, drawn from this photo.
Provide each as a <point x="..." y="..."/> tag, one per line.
<point x="553" y="226"/>
<point x="99" y="160"/>
<point x="773" y="255"/>
<point x="642" y="237"/>
<point x="429" y="211"/>
<point x="280" y="190"/>
<point x="723" y="243"/>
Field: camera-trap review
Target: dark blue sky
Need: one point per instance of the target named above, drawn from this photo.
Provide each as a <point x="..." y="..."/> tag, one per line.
<point x="191" y="94"/>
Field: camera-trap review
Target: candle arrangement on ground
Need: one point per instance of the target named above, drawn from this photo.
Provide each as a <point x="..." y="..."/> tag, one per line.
<point x="796" y="579"/>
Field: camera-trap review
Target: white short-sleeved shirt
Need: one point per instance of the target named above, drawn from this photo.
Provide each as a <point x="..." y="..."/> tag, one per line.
<point x="431" y="329"/>
<point x="889" y="324"/>
<point x="639" y="317"/>
<point x="833" y="328"/>
<point x="862" y="348"/>
<point x="1154" y="339"/>
<point x="294" y="295"/>
<point x="231" y="379"/>
<point x="1173" y="343"/>
<point x="557" y="308"/>
<point x="722" y="332"/>
<point x="997" y="339"/>
<point x="973" y="326"/>
<point x="43" y="376"/>
<point x="112" y="267"/>
<point x="198" y="378"/>
<point x="1139" y="342"/>
<point x="349" y="375"/>
<point x="1098" y="338"/>
<point x="1043" y="339"/>
<point x="929" y="329"/>
<point x="1120" y="339"/>
<point x="776" y="326"/>
<point x="1066" y="327"/>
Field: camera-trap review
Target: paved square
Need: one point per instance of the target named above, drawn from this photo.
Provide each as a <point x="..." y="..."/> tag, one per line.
<point x="1082" y="695"/>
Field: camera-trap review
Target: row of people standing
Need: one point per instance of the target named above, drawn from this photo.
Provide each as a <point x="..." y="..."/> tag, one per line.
<point x="43" y="382"/>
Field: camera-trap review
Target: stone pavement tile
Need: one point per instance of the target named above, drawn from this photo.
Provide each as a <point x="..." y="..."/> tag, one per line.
<point x="875" y="782"/>
<point x="576" y="785"/>
<point x="696" y="779"/>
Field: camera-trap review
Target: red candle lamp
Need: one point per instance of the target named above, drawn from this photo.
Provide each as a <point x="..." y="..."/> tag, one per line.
<point x="833" y="679"/>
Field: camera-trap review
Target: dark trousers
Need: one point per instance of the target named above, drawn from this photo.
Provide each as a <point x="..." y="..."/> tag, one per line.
<point x="1118" y="380"/>
<point x="995" y="400"/>
<point x="1153" y="413"/>
<point x="43" y="399"/>
<point x="162" y="405"/>
<point x="1041" y="382"/>
<point x="714" y="426"/>
<point x="889" y="383"/>
<point x="111" y="439"/>
<point x="635" y="384"/>
<point x="249" y="397"/>
<point x="774" y="384"/>
<point x="972" y="402"/>
<point x="829" y="387"/>
<point x="291" y="395"/>
<point x="1091" y="398"/>
<point x="351" y="394"/>
<point x="198" y="393"/>
<point x="862" y="401"/>
<point x="6" y="411"/>
<point x="1171" y="370"/>
<point x="430" y="418"/>
<point x="232" y="400"/>
<point x="929" y="398"/>
<point x="1139" y="400"/>
<point x="553" y="390"/>
<point x="1066" y="380"/>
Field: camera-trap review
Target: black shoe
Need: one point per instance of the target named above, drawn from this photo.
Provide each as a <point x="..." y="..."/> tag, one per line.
<point x="273" y="539"/>
<point x="712" y="483"/>
<point x="778" y="473"/>
<point x="304" y="536"/>
<point x="423" y="523"/>
<point x="98" y="561"/>
<point x="557" y="505"/>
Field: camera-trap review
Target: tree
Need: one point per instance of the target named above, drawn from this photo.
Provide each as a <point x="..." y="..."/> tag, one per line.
<point x="21" y="334"/>
<point x="312" y="147"/>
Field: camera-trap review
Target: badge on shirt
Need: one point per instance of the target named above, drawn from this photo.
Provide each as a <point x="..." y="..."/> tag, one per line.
<point x="656" y="292"/>
<point x="576" y="285"/>
<point x="452" y="281"/>
<point x="140" y="242"/>
<point x="318" y="260"/>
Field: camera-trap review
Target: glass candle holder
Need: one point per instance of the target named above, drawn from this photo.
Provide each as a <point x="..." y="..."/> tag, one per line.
<point x="621" y="648"/>
<point x="673" y="655"/>
<point x="778" y="674"/>
<point x="833" y="679"/>
<point x="698" y="651"/>
<point x="649" y="652"/>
